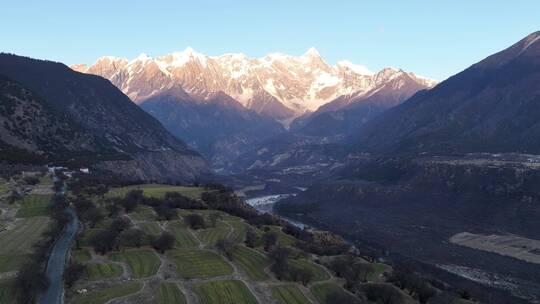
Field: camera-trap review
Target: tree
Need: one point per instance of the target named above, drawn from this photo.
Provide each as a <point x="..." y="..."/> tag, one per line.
<point x="93" y="216"/>
<point x="382" y="293"/>
<point x="30" y="282"/>
<point x="214" y="217"/>
<point x="226" y="247"/>
<point x="164" y="242"/>
<point x="269" y="240"/>
<point x="133" y="237"/>
<point x="31" y="180"/>
<point x="132" y="200"/>
<point x="73" y="272"/>
<point x="195" y="221"/>
<point x="280" y="264"/>
<point x="120" y="224"/>
<point x="302" y="275"/>
<point x="165" y="212"/>
<point x="251" y="238"/>
<point x="104" y="241"/>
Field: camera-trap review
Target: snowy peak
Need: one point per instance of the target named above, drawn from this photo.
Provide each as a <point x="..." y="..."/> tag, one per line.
<point x="278" y="85"/>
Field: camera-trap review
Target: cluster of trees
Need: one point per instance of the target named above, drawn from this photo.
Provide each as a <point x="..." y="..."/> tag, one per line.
<point x="350" y="269"/>
<point x="405" y="279"/>
<point x="308" y="242"/>
<point x="282" y="269"/>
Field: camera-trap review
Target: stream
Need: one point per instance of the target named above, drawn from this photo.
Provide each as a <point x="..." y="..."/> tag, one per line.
<point x="57" y="261"/>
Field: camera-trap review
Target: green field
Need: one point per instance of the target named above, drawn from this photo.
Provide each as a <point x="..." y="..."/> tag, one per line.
<point x="98" y="271"/>
<point x="283" y="238"/>
<point x="169" y="293"/>
<point x="323" y="290"/>
<point x="142" y="262"/>
<point x="239" y="231"/>
<point x="199" y="263"/>
<point x="157" y="190"/>
<point x="3" y="186"/>
<point x="319" y="273"/>
<point x="224" y="292"/>
<point x="107" y="294"/>
<point x="379" y="269"/>
<point x="289" y="294"/>
<point x="6" y="292"/>
<point x="150" y="227"/>
<point x="84" y="240"/>
<point x="34" y="205"/>
<point x="211" y="235"/>
<point x="16" y="244"/>
<point x="81" y="256"/>
<point x="184" y="239"/>
<point x="251" y="262"/>
<point x="143" y="213"/>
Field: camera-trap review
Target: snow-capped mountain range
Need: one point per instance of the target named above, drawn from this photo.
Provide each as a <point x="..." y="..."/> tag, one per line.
<point x="277" y="85"/>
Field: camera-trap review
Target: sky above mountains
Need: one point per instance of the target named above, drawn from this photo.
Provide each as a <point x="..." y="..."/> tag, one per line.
<point x="435" y="39"/>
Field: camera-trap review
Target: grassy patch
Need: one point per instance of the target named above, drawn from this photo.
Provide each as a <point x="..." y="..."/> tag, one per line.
<point x="252" y="262"/>
<point x="12" y="261"/>
<point x="211" y="235"/>
<point x="142" y="262"/>
<point x="34" y="205"/>
<point x="169" y="293"/>
<point x="199" y="263"/>
<point x="239" y="231"/>
<point x="16" y="244"/>
<point x="143" y="213"/>
<point x="183" y="237"/>
<point x="150" y="227"/>
<point x="323" y="290"/>
<point x="378" y="270"/>
<point x="289" y="294"/>
<point x="319" y="273"/>
<point x="283" y="238"/>
<point x="84" y="240"/>
<point x="98" y="271"/>
<point x="6" y="292"/>
<point x="107" y="294"/>
<point x="81" y="256"/>
<point x="157" y="190"/>
<point x="224" y="292"/>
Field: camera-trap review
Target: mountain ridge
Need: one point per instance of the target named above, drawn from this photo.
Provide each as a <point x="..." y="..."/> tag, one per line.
<point x="276" y="85"/>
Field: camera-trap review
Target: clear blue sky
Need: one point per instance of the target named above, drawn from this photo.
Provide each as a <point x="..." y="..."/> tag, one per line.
<point x="431" y="38"/>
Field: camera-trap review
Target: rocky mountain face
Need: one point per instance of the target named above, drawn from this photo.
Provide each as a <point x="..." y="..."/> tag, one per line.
<point x="219" y="127"/>
<point x="277" y="85"/>
<point x="493" y="106"/>
<point x="50" y="108"/>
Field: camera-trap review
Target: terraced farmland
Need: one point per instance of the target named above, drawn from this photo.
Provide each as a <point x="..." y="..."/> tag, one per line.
<point x="323" y="290"/>
<point x="104" y="295"/>
<point x="239" y="231"/>
<point x="16" y="244"/>
<point x="251" y="262"/>
<point x="169" y="293"/>
<point x="142" y="262"/>
<point x="34" y="205"/>
<point x="150" y="227"/>
<point x="99" y="271"/>
<point x="319" y="274"/>
<point x="224" y="292"/>
<point x="183" y="238"/>
<point x="199" y="263"/>
<point x="211" y="235"/>
<point x="289" y="294"/>
<point x="158" y="190"/>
